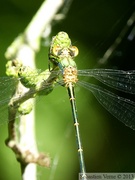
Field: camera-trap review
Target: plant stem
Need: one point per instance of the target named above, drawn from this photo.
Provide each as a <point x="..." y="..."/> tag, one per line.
<point x="24" y="48"/>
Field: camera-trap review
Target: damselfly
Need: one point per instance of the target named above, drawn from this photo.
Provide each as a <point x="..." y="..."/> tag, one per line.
<point x="63" y="71"/>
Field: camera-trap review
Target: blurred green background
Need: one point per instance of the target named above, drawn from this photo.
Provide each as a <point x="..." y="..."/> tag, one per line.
<point x="108" y="144"/>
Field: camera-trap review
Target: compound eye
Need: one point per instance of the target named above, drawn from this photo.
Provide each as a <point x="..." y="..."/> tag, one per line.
<point x="74" y="51"/>
<point x="55" y="50"/>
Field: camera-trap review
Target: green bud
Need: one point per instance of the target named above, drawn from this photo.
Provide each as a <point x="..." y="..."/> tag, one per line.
<point x="28" y="76"/>
<point x="25" y="107"/>
<point x="12" y="68"/>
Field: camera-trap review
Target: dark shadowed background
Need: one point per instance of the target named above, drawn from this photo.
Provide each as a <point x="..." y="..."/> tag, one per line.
<point x="109" y="146"/>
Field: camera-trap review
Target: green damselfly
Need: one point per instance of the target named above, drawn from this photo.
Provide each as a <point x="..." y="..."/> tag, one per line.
<point x="63" y="71"/>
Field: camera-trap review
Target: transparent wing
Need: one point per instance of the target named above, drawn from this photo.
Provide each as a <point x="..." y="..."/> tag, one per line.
<point x="118" y="79"/>
<point x="123" y="109"/>
<point x="7" y="89"/>
<point x="8" y="84"/>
